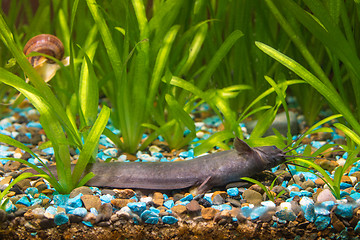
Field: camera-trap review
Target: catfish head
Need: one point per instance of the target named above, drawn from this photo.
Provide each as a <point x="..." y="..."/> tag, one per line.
<point x="267" y="156"/>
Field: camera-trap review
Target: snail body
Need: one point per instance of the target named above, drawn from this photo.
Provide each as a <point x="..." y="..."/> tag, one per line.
<point x="50" y="45"/>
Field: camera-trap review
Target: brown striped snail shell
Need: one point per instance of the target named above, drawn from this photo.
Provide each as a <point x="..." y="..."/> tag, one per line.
<point x="46" y="44"/>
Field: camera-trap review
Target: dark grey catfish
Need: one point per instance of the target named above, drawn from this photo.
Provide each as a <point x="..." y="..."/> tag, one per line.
<point x="205" y="172"/>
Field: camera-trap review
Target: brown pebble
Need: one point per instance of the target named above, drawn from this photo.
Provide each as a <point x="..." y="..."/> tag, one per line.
<point x="208" y="213"/>
<point x="10" y="194"/>
<point x="124" y="193"/>
<point x="193" y="206"/>
<point x="158" y="199"/>
<point x="179" y="209"/>
<point x="326" y="164"/>
<point x="91" y="201"/>
<point x="6" y="180"/>
<point x="346" y="179"/>
<point x="11" y="166"/>
<point x="337" y="224"/>
<point x="24" y="184"/>
<point x="29" y="215"/>
<point x="119" y="203"/>
<point x="47" y="191"/>
<point x="319" y="182"/>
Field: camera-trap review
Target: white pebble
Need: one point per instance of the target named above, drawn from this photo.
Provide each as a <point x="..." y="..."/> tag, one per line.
<point x="146" y="199"/>
<point x="341" y="162"/>
<point x="17" y="155"/>
<point x="200" y="134"/>
<point x="353" y="179"/>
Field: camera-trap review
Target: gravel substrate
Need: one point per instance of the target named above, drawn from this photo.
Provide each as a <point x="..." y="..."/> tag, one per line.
<point x="307" y="210"/>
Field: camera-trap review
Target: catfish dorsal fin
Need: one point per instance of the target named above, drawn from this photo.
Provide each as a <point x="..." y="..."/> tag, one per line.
<point x="242" y="147"/>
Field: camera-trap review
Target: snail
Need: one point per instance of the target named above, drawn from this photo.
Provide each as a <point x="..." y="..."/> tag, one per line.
<point x="50" y="45"/>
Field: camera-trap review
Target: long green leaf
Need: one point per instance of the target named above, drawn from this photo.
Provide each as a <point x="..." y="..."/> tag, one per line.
<point x="332" y="96"/>
<point x="90" y="144"/>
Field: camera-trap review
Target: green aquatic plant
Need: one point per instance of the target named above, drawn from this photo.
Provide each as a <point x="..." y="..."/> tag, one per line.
<point x="331" y="25"/>
<point x="3" y="199"/>
<point x="267" y="190"/>
<point x="59" y="127"/>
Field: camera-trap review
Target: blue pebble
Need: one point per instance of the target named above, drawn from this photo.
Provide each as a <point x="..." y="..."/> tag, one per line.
<point x="106" y="198"/>
<point x="154" y="210"/>
<point x="169" y="220"/>
<point x="357" y="227"/>
<point x="208" y="198"/>
<point x="165" y="196"/>
<point x="344" y="210"/>
<point x="322" y="222"/>
<point x="284" y="183"/>
<point x="94" y="211"/>
<point x="355" y="195"/>
<point x="287" y="215"/>
<point x="169" y="204"/>
<point x="10" y="207"/>
<point x="137" y="207"/>
<point x="343" y="194"/>
<point x="321" y="210"/>
<point x="34" y="124"/>
<point x="148" y="214"/>
<point x="89" y="224"/>
<point x="184" y="203"/>
<point x="345" y="185"/>
<point x="52" y="210"/>
<point x="112" y="152"/>
<point x="307" y="205"/>
<point x="328" y="205"/>
<point x="36" y="201"/>
<point x="295" y="193"/>
<point x="222" y="207"/>
<point x="61" y="218"/>
<point x="80" y="212"/>
<point x="61" y="199"/>
<point x="257" y="212"/>
<point x="158" y="155"/>
<point x="187" y="198"/>
<point x="184" y="154"/>
<point x="152" y="220"/>
<point x="233" y="192"/>
<point x="24" y="201"/>
<point x="246" y="211"/>
<point x="75" y="202"/>
<point x="32" y="191"/>
<point x="49" y="151"/>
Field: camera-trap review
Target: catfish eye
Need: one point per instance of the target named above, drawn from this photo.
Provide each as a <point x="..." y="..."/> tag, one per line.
<point x="274" y="147"/>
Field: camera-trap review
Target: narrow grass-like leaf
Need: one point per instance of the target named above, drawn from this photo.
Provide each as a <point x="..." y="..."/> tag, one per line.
<point x="219" y="55"/>
<point x="331" y="95"/>
<point x="355" y="137"/>
<point x="90" y="144"/>
<point x="214" y="140"/>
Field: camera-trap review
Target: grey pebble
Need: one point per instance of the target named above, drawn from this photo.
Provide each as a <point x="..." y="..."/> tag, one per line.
<point x="105" y="212"/>
<point x="233" y="202"/>
<point x="108" y="191"/>
<point x="21" y="137"/>
<point x="252" y="197"/>
<point x="217" y="200"/>
<point x="75" y="218"/>
<point x="178" y="196"/>
<point x="3" y="215"/>
<point x="104" y="224"/>
<point x="30" y="227"/>
<point x="47" y="223"/>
